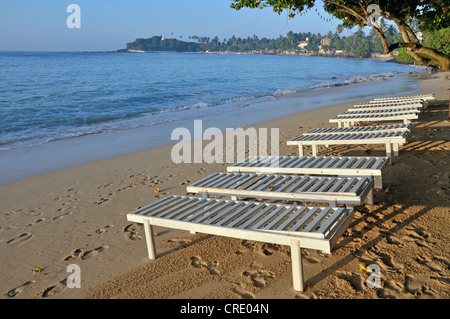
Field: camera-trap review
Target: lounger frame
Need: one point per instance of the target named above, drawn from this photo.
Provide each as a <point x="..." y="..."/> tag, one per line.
<point x="392" y="140"/>
<point x="315" y="165"/>
<point x="292" y="225"/>
<point x="417" y="105"/>
<point x="326" y="189"/>
<point x="360" y="129"/>
<point x="349" y="119"/>
<point x="425" y="97"/>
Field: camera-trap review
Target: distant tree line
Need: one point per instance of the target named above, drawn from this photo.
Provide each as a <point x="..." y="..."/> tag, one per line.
<point x="359" y="44"/>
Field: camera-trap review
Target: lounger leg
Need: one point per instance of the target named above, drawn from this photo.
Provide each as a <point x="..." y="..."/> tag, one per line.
<point x="378" y="182"/>
<point x="297" y="270"/>
<point x="395" y="148"/>
<point x="388" y="151"/>
<point x="314" y="150"/>
<point x="150" y="240"/>
<point x="300" y="150"/>
<point x="369" y="197"/>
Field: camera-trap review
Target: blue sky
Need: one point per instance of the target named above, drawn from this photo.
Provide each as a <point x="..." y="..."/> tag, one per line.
<point x="40" y="25"/>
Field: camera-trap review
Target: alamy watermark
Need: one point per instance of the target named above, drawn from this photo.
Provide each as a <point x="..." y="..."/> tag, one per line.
<point x="374" y="278"/>
<point x="374" y="11"/>
<point x="74" y="280"/>
<point x="74" y="19"/>
<point x="235" y="144"/>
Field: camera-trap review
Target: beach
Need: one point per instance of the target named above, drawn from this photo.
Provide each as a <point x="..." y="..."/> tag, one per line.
<point x="77" y="216"/>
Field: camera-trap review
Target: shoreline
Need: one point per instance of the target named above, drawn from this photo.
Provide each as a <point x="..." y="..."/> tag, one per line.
<point x="24" y="162"/>
<point x="77" y="216"/>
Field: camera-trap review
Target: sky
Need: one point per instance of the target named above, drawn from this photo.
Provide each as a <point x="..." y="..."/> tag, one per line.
<point x="107" y="25"/>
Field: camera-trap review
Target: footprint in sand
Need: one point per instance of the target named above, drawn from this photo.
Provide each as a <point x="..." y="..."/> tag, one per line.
<point x="16" y="291"/>
<point x="202" y="170"/>
<point x="85" y="254"/>
<point x="54" y="290"/>
<point x="434" y="266"/>
<point x="355" y="280"/>
<point x="417" y="284"/>
<point x="101" y="201"/>
<point x="180" y="241"/>
<point x="21" y="238"/>
<point x="391" y="290"/>
<point x="103" y="230"/>
<point x="62" y="215"/>
<point x="132" y="230"/>
<point x="159" y="195"/>
<point x="394" y="240"/>
<point x="417" y="233"/>
<point x="241" y="291"/>
<point x="103" y="186"/>
<point x="263" y="248"/>
<point x="374" y="257"/>
<point x="258" y="277"/>
<point x="186" y="182"/>
<point x="389" y="261"/>
<point x="198" y="262"/>
<point x="40" y="220"/>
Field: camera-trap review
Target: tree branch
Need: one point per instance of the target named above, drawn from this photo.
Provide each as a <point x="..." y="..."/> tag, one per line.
<point x="347" y="10"/>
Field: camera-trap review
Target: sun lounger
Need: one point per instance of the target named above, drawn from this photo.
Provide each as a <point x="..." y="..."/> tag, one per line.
<point x="389" y="105"/>
<point x="315" y="165"/>
<point x="392" y="140"/>
<point x="360" y="129"/>
<point x="295" y="226"/>
<point x="426" y="97"/>
<point x="327" y="189"/>
<point x="348" y="119"/>
<point x="412" y="109"/>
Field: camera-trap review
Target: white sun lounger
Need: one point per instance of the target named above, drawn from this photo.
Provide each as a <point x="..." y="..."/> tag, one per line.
<point x="392" y="140"/>
<point x="351" y="118"/>
<point x="295" y="226"/>
<point x="426" y="97"/>
<point x="360" y="129"/>
<point x="328" y="189"/>
<point x="315" y="165"/>
<point x="411" y="109"/>
<point x="389" y="105"/>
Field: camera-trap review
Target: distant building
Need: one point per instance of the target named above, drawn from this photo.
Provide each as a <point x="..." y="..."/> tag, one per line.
<point x="325" y="41"/>
<point x="303" y="44"/>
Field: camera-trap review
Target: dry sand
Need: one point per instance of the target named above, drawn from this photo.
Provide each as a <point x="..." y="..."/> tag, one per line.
<point x="78" y="216"/>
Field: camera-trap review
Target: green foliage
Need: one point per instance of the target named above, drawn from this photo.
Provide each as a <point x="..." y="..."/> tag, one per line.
<point x="433" y="16"/>
<point x="358" y="44"/>
<point x="404" y="57"/>
<point x="439" y="40"/>
<point x="159" y="44"/>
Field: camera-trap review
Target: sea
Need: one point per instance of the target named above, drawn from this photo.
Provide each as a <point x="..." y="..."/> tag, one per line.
<point x="46" y="97"/>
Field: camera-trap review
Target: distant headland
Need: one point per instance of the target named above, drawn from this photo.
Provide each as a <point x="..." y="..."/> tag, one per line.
<point x="356" y="45"/>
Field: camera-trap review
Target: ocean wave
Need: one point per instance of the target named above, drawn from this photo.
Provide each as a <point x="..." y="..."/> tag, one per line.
<point x="325" y="85"/>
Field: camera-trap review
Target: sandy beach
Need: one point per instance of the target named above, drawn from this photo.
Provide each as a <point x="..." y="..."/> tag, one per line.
<point x="77" y="216"/>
